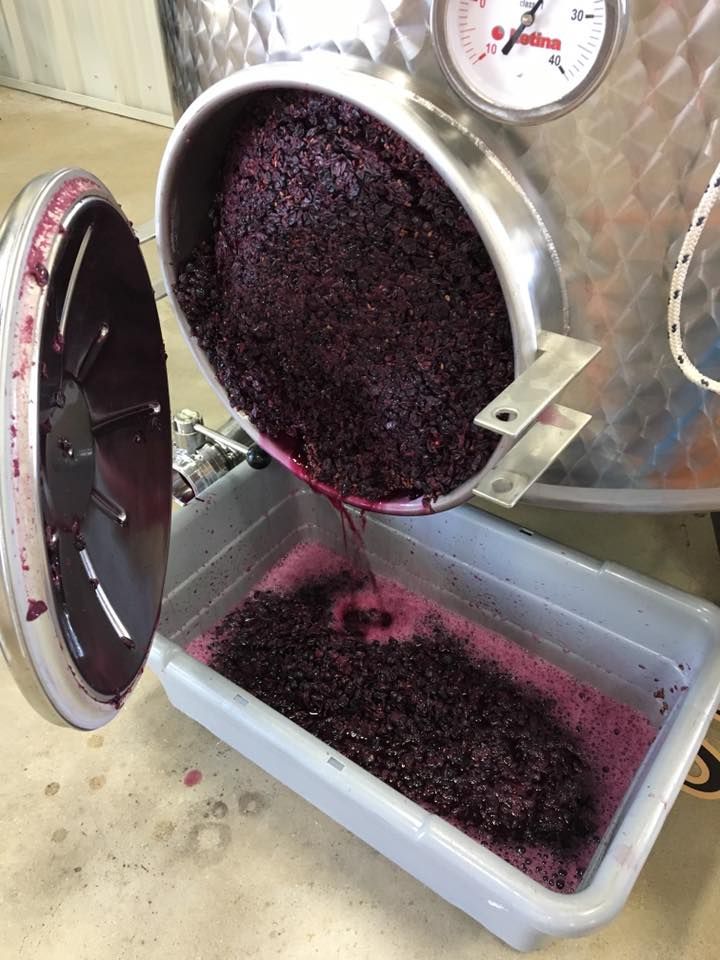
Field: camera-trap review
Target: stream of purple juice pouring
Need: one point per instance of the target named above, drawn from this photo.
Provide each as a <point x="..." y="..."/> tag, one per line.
<point x="611" y="737"/>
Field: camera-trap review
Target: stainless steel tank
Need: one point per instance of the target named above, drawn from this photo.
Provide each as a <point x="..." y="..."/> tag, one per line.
<point x="511" y="227"/>
<point x="613" y="183"/>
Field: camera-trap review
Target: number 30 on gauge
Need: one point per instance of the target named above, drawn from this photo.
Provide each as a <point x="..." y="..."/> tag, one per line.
<point x="522" y="61"/>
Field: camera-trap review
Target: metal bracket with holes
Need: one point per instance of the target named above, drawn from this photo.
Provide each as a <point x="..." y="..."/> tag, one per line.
<point x="526" y="410"/>
<point x="530" y="457"/>
<point x="561" y="360"/>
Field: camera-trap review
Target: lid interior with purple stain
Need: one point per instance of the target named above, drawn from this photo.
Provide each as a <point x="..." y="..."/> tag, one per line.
<point x="88" y="512"/>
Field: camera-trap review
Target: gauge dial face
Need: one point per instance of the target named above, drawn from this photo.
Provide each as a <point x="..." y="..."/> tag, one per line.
<point x="524" y="61"/>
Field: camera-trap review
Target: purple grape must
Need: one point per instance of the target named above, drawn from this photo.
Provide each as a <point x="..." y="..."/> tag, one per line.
<point x="346" y="302"/>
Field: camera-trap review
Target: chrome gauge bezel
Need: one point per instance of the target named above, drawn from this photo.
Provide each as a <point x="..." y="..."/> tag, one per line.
<point x="615" y="32"/>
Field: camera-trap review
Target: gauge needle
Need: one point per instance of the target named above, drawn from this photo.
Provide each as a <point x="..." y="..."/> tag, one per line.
<point x="526" y="20"/>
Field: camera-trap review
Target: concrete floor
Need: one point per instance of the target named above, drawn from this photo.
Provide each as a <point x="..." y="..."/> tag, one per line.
<point x="105" y="850"/>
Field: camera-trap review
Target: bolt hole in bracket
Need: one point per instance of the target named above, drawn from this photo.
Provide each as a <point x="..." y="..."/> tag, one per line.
<point x="526" y="412"/>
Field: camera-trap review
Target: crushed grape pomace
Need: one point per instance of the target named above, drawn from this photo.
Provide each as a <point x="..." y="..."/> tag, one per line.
<point x="453" y="732"/>
<point x="346" y="302"/>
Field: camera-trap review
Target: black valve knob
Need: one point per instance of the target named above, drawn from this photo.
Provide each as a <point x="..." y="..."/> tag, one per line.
<point x="257" y="458"/>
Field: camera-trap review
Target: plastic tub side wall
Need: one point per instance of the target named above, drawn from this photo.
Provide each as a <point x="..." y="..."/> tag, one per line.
<point x="396" y="827"/>
<point x="525" y="586"/>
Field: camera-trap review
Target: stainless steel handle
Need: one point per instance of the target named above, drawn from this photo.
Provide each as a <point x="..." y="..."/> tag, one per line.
<point x="146" y="232"/>
<point x="221" y="439"/>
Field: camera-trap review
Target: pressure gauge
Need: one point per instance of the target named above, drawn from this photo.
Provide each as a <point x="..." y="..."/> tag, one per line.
<point x="522" y="61"/>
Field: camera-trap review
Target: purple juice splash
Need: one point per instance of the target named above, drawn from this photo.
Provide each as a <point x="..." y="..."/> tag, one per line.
<point x="512" y="750"/>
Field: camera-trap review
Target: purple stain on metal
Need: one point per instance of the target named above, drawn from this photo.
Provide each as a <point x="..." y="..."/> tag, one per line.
<point x="35" y="609"/>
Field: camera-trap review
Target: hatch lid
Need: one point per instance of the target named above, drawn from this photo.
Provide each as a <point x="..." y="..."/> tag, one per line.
<point x="85" y="498"/>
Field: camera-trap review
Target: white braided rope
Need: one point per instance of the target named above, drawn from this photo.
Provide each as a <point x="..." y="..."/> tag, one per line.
<point x="677" y="286"/>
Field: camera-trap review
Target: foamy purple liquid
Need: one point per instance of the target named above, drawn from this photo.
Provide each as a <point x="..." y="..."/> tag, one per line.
<point x="593" y="716"/>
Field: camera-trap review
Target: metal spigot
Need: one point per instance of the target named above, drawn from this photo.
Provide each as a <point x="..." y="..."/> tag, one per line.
<point x="202" y="456"/>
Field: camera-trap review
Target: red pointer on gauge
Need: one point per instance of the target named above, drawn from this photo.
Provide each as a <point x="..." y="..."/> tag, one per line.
<point x="527" y="20"/>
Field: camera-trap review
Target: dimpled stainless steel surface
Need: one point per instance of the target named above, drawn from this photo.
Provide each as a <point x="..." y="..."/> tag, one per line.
<point x="616" y="181"/>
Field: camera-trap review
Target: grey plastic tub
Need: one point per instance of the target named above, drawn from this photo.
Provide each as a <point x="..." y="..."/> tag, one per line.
<point x="598" y="621"/>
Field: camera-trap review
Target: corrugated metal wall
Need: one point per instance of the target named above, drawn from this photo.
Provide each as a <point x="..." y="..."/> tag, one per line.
<point x="101" y="53"/>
